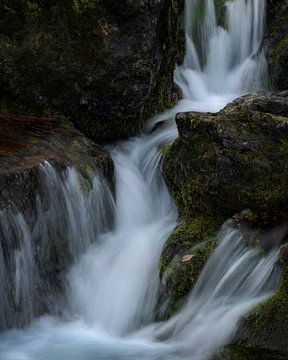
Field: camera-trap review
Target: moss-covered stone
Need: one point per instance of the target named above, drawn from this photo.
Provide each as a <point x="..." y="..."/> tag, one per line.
<point x="221" y="164"/>
<point x="226" y="162"/>
<point x="184" y="256"/>
<point x="185" y="236"/>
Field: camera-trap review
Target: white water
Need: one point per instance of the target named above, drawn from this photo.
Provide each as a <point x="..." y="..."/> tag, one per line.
<point x="113" y="285"/>
<point x="222" y="63"/>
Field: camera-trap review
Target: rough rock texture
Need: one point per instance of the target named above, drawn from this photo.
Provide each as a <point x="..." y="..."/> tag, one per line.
<point x="28" y="141"/>
<point x="220" y="165"/>
<point x="185" y="253"/>
<point x="98" y="62"/>
<point x="36" y="203"/>
<point x="236" y="159"/>
<point x="276" y="42"/>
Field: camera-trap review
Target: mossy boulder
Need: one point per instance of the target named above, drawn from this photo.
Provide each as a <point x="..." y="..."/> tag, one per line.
<point x="220" y="165"/>
<point x="97" y="62"/>
<point x="276" y="42"/>
<point x="184" y="255"/>
<point x="233" y="160"/>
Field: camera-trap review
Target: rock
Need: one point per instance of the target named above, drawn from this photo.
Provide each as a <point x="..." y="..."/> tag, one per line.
<point x="38" y="202"/>
<point x="220" y="165"/>
<point x="265" y="330"/>
<point x="184" y="256"/>
<point x="107" y="67"/>
<point x="276" y="42"/>
<point x="234" y="160"/>
<point x="28" y="141"/>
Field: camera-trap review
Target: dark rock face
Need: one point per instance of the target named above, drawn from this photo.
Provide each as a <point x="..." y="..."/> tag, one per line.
<point x="98" y="62"/>
<point x="277" y="42"/>
<point x="28" y="141"/>
<point x="220" y="165"/>
<point x="37" y="203"/>
<point x="236" y="159"/>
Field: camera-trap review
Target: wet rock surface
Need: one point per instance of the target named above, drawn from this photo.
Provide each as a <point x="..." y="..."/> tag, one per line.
<point x="107" y="67"/>
<point x="47" y="170"/>
<point x="236" y="159"/>
<point x="220" y="165"/>
<point x="29" y="141"/>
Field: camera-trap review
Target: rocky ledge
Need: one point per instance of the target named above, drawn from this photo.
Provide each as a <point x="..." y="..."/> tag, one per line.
<point x="29" y="141"/>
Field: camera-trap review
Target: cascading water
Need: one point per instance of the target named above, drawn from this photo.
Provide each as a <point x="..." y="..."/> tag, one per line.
<point x="113" y="284"/>
<point x="224" y="56"/>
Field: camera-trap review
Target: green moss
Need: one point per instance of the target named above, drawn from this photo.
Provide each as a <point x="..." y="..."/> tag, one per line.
<point x="164" y="149"/>
<point x="187" y="235"/>
<point x="184" y="255"/>
<point x="283" y="147"/>
<point x="224" y="163"/>
<point x="274" y="310"/>
<point x="182" y="273"/>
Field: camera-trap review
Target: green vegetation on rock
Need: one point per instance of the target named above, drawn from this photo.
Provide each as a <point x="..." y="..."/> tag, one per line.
<point x="226" y="162"/>
<point x="184" y="256"/>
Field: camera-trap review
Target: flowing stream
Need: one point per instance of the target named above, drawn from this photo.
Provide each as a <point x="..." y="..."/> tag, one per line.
<point x="114" y="240"/>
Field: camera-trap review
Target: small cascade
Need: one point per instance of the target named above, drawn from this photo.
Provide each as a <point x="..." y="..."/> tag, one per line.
<point x="33" y="252"/>
<point x="115" y="285"/>
<point x="224" y="54"/>
<point x="234" y="280"/>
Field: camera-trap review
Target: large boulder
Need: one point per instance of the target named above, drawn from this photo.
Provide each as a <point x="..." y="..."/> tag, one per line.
<point x="233" y="160"/>
<point x="106" y="65"/>
<point x="220" y="165"/>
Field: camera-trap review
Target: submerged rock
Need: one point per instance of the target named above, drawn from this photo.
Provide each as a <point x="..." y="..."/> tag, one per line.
<point x="106" y="65"/>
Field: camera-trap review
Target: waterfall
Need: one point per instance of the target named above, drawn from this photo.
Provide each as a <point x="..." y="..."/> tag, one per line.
<point x="34" y="251"/>
<point x="116" y="283"/>
<point x="224" y="58"/>
<point x="113" y="239"/>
